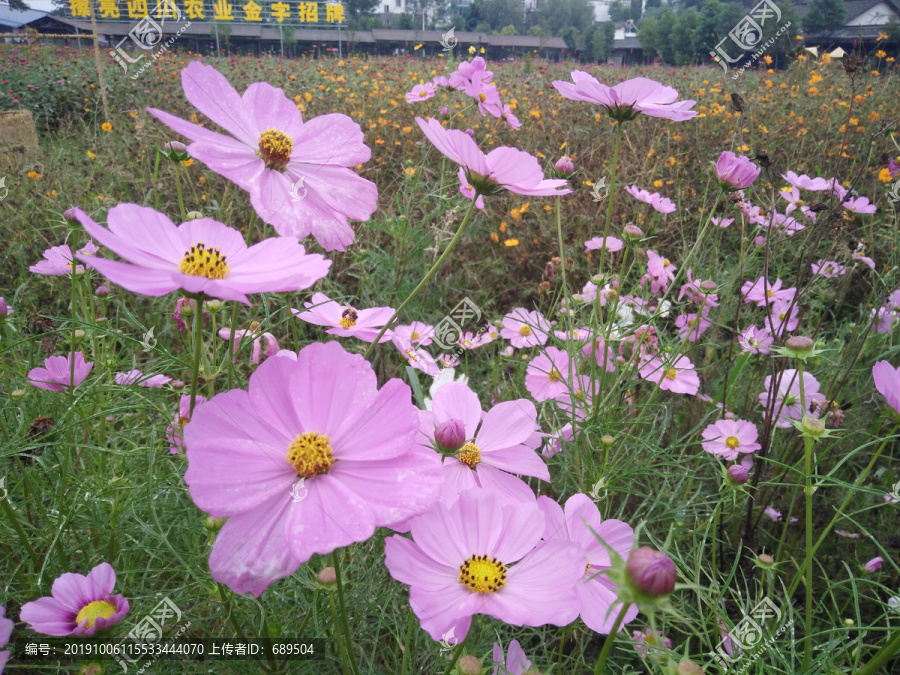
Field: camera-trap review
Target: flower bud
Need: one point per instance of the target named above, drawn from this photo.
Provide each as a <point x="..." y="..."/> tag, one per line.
<point x="470" y="133"/>
<point x="799" y="344"/>
<point x="606" y="439"/>
<point x="69" y="215"/>
<point x="176" y="384"/>
<point x="193" y="215"/>
<point x="175" y="146"/>
<point x="564" y="166"/>
<point x="444" y="111"/>
<point x="102" y="320"/>
<point x="450" y="435"/>
<point x="765" y="561"/>
<point x="327" y="576"/>
<point x="632" y="231"/>
<point x="813" y="426"/>
<point x="4" y="309"/>
<point x="213" y="306"/>
<point x="78" y="336"/>
<point x="738" y="474"/>
<point x="92" y="669"/>
<point x="651" y="572"/>
<point x="214" y="524"/>
<point x="687" y="667"/>
<point x="17" y="393"/>
<point x="708" y="286"/>
<point x="102" y="291"/>
<point x="873" y="565"/>
<point x="598" y="279"/>
<point x="469" y="665"/>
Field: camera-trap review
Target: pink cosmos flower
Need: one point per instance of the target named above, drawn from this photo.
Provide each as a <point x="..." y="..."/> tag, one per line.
<point x="887" y="382"/>
<point x="581" y="524"/>
<point x="466" y="71"/>
<point x="860" y="205"/>
<point x="524" y="328"/>
<point x="417" y="332"/>
<point x="882" y="318"/>
<point x="57" y="372"/>
<point x="627" y="99"/>
<point x="602" y="354"/>
<point x="660" y="271"/>
<point x="515" y="662"/>
<point x="784" y="316"/>
<point x="547" y="374"/>
<point x="199" y="256"/>
<point x="273" y="154"/>
<point x="485" y="94"/>
<point x="80" y="605"/>
<point x="174" y="431"/>
<point x="510" y="118"/>
<point x="772" y="514"/>
<point x="792" y="195"/>
<point x="692" y="291"/>
<point x="421" y="92"/>
<point x="729" y="438"/>
<point x="859" y="254"/>
<point x="499" y="444"/>
<point x="787" y="397"/>
<point x="661" y="204"/>
<point x="468" y="191"/>
<point x="579" y="335"/>
<point x="756" y="340"/>
<point x="345" y="321"/>
<point x="415" y="355"/>
<point x="480" y="555"/>
<point x="6" y="626"/>
<point x="736" y="172"/>
<point x="256" y="337"/>
<point x="762" y="293"/>
<point x="185" y="306"/>
<point x="692" y="326"/>
<point x="578" y="402"/>
<point x="677" y="376"/>
<point x="553" y="446"/>
<point x="57" y="260"/>
<point x="647" y="641"/>
<point x="804" y="182"/>
<point x="447" y="361"/>
<point x="722" y="222"/>
<point x="502" y="167"/>
<point x="5" y="310"/>
<point x="828" y="268"/>
<point x="874" y="564"/>
<point x="611" y="244"/>
<point x="141" y="380"/>
<point x="317" y="427"/>
<point x="780" y="224"/>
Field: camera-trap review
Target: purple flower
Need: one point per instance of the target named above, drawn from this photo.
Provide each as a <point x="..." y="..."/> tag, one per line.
<point x="661" y="204"/>
<point x="627" y="99"/>
<point x="450" y="435"/>
<point x="6" y="626"/>
<point x="502" y="167"/>
<point x="739" y="473"/>
<point x="256" y="336"/>
<point x="57" y="260"/>
<point x="525" y="328"/>
<point x="611" y="244"/>
<point x="138" y="378"/>
<point x="860" y="205"/>
<point x="728" y="438"/>
<point x="787" y="397"/>
<point x="736" y="172"/>
<point x="80" y="605"/>
<point x="828" y="268"/>
<point x="5" y="309"/>
<point x="804" y="182"/>
<point x="515" y="662"/>
<point x="651" y="572"/>
<point x="272" y="151"/>
<point x="346" y="321"/>
<point x="57" y="372"/>
<point x="174" y="433"/>
<point x="564" y="165"/>
<point x="756" y="340"/>
<point x="887" y="382"/>
<point x="874" y="564"/>
<point x="421" y="92"/>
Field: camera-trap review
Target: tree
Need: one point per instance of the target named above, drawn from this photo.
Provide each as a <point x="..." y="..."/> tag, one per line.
<point x="824" y="15"/>
<point x="637" y="10"/>
<point x="618" y="11"/>
<point x="559" y="14"/>
<point x="356" y="9"/>
<point x="652" y="4"/>
<point x="18" y="5"/>
<point x="570" y="36"/>
<point x="706" y="31"/>
<point x="655" y="35"/>
<point x="472" y="16"/>
<point x="500" y="13"/>
<point x="682" y="33"/>
<point x="509" y="30"/>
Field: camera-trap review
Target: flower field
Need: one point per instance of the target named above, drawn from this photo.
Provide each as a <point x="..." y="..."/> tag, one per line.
<point x="450" y="366"/>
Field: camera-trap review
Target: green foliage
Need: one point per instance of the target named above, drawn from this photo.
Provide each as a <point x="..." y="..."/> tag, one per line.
<point x="509" y="30"/>
<point x="598" y="42"/>
<point x="825" y="15"/>
<point x="570" y="36"/>
<point x="500" y="13"/>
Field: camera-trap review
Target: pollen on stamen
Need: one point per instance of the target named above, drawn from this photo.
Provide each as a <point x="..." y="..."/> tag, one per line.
<point x="525" y="331"/>
<point x="348" y="318"/>
<point x="275" y="148"/>
<point x="99" y="609"/>
<point x="200" y="261"/>
<point x="671" y="374"/>
<point x="483" y="574"/>
<point x="554" y="375"/>
<point x="732" y="442"/>
<point x="470" y="455"/>
<point x="310" y="454"/>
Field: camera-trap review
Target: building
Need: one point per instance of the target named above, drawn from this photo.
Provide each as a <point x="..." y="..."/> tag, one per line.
<point x="14" y="21"/>
<point x="864" y="22"/>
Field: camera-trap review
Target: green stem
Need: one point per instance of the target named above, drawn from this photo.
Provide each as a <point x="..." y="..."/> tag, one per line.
<point x="608" y="643"/>
<point x="345" y="626"/>
<point x="337" y="630"/>
<point x="434" y="268"/>
<point x="225" y="597"/>
<point x="881" y="657"/>
<point x="198" y="340"/>
<point x="409" y="630"/>
<point x="17" y="526"/>
<point x="612" y="193"/>
<point x="457" y="651"/>
<point x="230" y="355"/>
<point x="808" y="559"/>
<point x="178" y="189"/>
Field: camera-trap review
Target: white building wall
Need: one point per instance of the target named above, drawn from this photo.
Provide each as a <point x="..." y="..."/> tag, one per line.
<point x="879" y="15"/>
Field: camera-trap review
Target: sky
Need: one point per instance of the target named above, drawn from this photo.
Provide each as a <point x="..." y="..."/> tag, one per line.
<point x="45" y="5"/>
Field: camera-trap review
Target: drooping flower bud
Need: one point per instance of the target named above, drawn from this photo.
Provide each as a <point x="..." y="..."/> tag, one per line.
<point x="450" y="435"/>
<point x="564" y="166"/>
<point x="102" y="291"/>
<point x="650" y="571"/>
<point x="738" y="474"/>
<point x="327" y="576"/>
<point x="632" y="231"/>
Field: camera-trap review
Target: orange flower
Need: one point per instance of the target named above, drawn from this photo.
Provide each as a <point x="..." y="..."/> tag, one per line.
<point x="106" y="126"/>
<point x="511" y="242"/>
<point x="884" y="175"/>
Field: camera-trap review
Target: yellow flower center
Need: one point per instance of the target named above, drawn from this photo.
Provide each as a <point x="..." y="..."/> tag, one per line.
<point x="691" y="322"/>
<point x="254" y="325"/>
<point x="579" y="394"/>
<point x="483" y="574"/>
<point x="182" y="421"/>
<point x="415" y="335"/>
<point x="275" y="148"/>
<point x="671" y="374"/>
<point x="423" y="93"/>
<point x="348" y="319"/>
<point x="98" y="609"/>
<point x="666" y="262"/>
<point x="470" y="455"/>
<point x="310" y="454"/>
<point x="411" y="354"/>
<point x="200" y="261"/>
<point x="467" y="343"/>
<point x="525" y="331"/>
<point x="732" y="442"/>
<point x="799" y="202"/>
<point x="554" y="375"/>
<point x="482" y="96"/>
<point x="770" y="293"/>
<point x="782" y="315"/>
